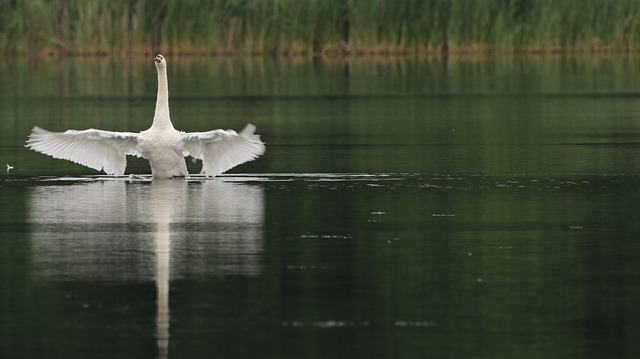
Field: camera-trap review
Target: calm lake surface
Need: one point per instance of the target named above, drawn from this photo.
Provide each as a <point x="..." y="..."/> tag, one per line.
<point x="403" y="209"/>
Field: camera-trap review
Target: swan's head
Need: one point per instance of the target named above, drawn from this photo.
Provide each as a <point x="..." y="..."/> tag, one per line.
<point x="160" y="61"/>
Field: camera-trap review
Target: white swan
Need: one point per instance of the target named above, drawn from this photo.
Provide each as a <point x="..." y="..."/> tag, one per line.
<point x="161" y="144"/>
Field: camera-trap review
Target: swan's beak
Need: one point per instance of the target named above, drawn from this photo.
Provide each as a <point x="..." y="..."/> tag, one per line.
<point x="159" y="59"/>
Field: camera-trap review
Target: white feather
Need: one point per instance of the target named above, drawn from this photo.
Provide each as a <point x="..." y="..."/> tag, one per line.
<point x="222" y="150"/>
<point x="97" y="149"/>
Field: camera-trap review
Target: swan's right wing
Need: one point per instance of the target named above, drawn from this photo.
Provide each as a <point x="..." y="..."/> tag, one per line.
<point x="97" y="149"/>
<point x="221" y="150"/>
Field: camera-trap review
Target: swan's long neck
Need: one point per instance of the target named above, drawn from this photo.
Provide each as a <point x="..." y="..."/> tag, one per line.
<point x="161" y="118"/>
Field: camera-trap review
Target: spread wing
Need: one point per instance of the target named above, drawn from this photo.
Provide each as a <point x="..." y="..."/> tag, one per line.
<point x="97" y="149"/>
<point x="222" y="150"/>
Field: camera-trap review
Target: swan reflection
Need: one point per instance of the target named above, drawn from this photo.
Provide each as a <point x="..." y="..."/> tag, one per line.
<point x="119" y="231"/>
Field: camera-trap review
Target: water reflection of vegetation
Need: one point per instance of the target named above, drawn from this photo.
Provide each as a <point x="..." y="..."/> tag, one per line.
<point x="87" y="76"/>
<point x="363" y="115"/>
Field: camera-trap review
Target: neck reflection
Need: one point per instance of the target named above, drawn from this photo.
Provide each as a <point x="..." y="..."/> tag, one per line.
<point x="163" y="201"/>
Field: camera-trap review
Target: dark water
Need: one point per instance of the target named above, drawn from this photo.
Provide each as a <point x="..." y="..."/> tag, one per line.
<point x="480" y="209"/>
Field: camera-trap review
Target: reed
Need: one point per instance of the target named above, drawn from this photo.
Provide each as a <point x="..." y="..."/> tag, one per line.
<point x="326" y="27"/>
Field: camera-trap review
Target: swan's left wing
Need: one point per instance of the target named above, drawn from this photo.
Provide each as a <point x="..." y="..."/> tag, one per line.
<point x="222" y="150"/>
<point x="97" y="149"/>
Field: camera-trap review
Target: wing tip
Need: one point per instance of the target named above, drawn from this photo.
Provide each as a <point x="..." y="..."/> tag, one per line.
<point x="249" y="129"/>
<point x="34" y="136"/>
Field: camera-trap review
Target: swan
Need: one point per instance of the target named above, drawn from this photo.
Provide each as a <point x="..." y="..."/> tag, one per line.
<point x="162" y="145"/>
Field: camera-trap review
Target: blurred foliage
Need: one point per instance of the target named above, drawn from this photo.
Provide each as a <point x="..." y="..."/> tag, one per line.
<point x="327" y="27"/>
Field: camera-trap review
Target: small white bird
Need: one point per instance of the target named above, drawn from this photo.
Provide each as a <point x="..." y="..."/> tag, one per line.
<point x="161" y="144"/>
<point x="9" y="167"/>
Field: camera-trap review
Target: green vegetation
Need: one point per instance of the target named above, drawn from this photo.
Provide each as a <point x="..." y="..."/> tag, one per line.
<point x="327" y="27"/>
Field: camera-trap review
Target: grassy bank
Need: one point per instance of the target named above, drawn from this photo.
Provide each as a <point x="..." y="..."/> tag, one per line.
<point x="325" y="27"/>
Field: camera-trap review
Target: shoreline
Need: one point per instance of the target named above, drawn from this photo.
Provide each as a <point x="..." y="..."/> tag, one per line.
<point x="338" y="50"/>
